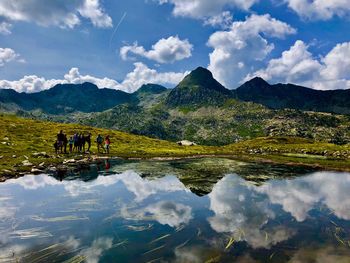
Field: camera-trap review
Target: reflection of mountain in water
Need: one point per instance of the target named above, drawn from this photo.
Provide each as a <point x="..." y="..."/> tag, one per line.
<point x="198" y="175"/>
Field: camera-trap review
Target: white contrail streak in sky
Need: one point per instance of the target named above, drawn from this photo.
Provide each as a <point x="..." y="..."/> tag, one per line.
<point x="116" y="29"/>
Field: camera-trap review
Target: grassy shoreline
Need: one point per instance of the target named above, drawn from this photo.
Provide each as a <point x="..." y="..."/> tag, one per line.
<point x="26" y="141"/>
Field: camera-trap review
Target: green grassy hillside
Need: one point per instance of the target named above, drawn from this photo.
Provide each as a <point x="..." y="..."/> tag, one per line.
<point x="212" y="125"/>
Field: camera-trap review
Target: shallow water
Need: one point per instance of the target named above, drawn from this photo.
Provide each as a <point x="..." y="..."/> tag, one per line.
<point x="208" y="210"/>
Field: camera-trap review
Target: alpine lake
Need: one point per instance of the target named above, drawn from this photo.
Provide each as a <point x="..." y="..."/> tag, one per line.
<point x="194" y="210"/>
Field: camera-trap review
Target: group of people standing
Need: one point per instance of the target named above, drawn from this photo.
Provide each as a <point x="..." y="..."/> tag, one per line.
<point x="78" y="141"/>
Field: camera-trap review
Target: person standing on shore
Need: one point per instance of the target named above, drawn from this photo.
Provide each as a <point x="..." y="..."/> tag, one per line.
<point x="71" y="143"/>
<point x="65" y="142"/>
<point x="76" y="142"/>
<point x="99" y="141"/>
<point x="60" y="140"/>
<point x="88" y="140"/>
<point x="107" y="144"/>
<point x="82" y="143"/>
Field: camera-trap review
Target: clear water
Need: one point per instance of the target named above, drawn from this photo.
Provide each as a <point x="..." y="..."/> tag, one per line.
<point x="209" y="210"/>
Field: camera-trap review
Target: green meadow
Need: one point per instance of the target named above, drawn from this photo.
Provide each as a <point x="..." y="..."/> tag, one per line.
<point x="24" y="140"/>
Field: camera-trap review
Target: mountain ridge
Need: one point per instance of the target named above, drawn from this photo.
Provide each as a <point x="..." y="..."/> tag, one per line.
<point x="199" y="109"/>
<point x="280" y="96"/>
<point x="199" y="88"/>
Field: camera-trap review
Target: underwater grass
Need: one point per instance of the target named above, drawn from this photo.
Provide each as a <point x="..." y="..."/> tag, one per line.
<point x="30" y="233"/>
<point x="59" y="219"/>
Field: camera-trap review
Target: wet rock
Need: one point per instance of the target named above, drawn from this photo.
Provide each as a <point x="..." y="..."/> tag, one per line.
<point x="52" y="169"/>
<point x="69" y="161"/>
<point x="41" y="154"/>
<point x="36" y="171"/>
<point x="27" y="163"/>
<point x="42" y="164"/>
<point x="85" y="160"/>
<point x="5" y="171"/>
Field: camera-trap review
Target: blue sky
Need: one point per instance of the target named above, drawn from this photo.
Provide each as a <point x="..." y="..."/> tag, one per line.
<point x="43" y="43"/>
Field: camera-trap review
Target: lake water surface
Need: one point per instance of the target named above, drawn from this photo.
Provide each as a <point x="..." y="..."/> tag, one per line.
<point x="207" y="210"/>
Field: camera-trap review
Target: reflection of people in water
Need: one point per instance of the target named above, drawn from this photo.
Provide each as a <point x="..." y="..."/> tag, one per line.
<point x="107" y="164"/>
<point x="60" y="175"/>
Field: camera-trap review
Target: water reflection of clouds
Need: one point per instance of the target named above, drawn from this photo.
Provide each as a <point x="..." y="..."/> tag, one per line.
<point x="326" y="254"/>
<point x="170" y="213"/>
<point x="246" y="209"/>
<point x="93" y="253"/>
<point x="239" y="208"/>
<point x="164" y="212"/>
<point x="53" y="253"/>
<point x="33" y="182"/>
<point x="7" y="211"/>
<point x="11" y="253"/>
<point x="141" y="188"/>
<point x="243" y="212"/>
<point x="301" y="195"/>
<point x="195" y="254"/>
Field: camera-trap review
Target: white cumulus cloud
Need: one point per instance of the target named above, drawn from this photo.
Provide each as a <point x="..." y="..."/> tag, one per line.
<point x="320" y="9"/>
<point x="8" y="55"/>
<point x="297" y="65"/>
<point x="166" y="50"/>
<point x="133" y="80"/>
<point x="205" y="8"/>
<point x="63" y="13"/>
<point x="143" y="74"/>
<point x="223" y="20"/>
<point x="74" y="77"/>
<point x="237" y="50"/>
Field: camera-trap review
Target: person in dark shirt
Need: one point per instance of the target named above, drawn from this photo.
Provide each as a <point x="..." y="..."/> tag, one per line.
<point x="76" y="142"/>
<point x="99" y="141"/>
<point x="82" y="142"/>
<point x="60" y="140"/>
<point x="65" y="142"/>
<point x="88" y="140"/>
<point x="55" y="145"/>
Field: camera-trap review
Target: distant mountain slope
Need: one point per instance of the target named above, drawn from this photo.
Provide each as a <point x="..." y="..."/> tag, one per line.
<point x="197" y="89"/>
<point x="150" y="89"/>
<point x="282" y="96"/>
<point x="66" y="98"/>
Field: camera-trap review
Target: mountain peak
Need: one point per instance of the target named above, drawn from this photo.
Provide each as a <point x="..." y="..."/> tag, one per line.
<point x="203" y="79"/>
<point x="198" y="88"/>
<point x="200" y="71"/>
<point x="258" y="81"/>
